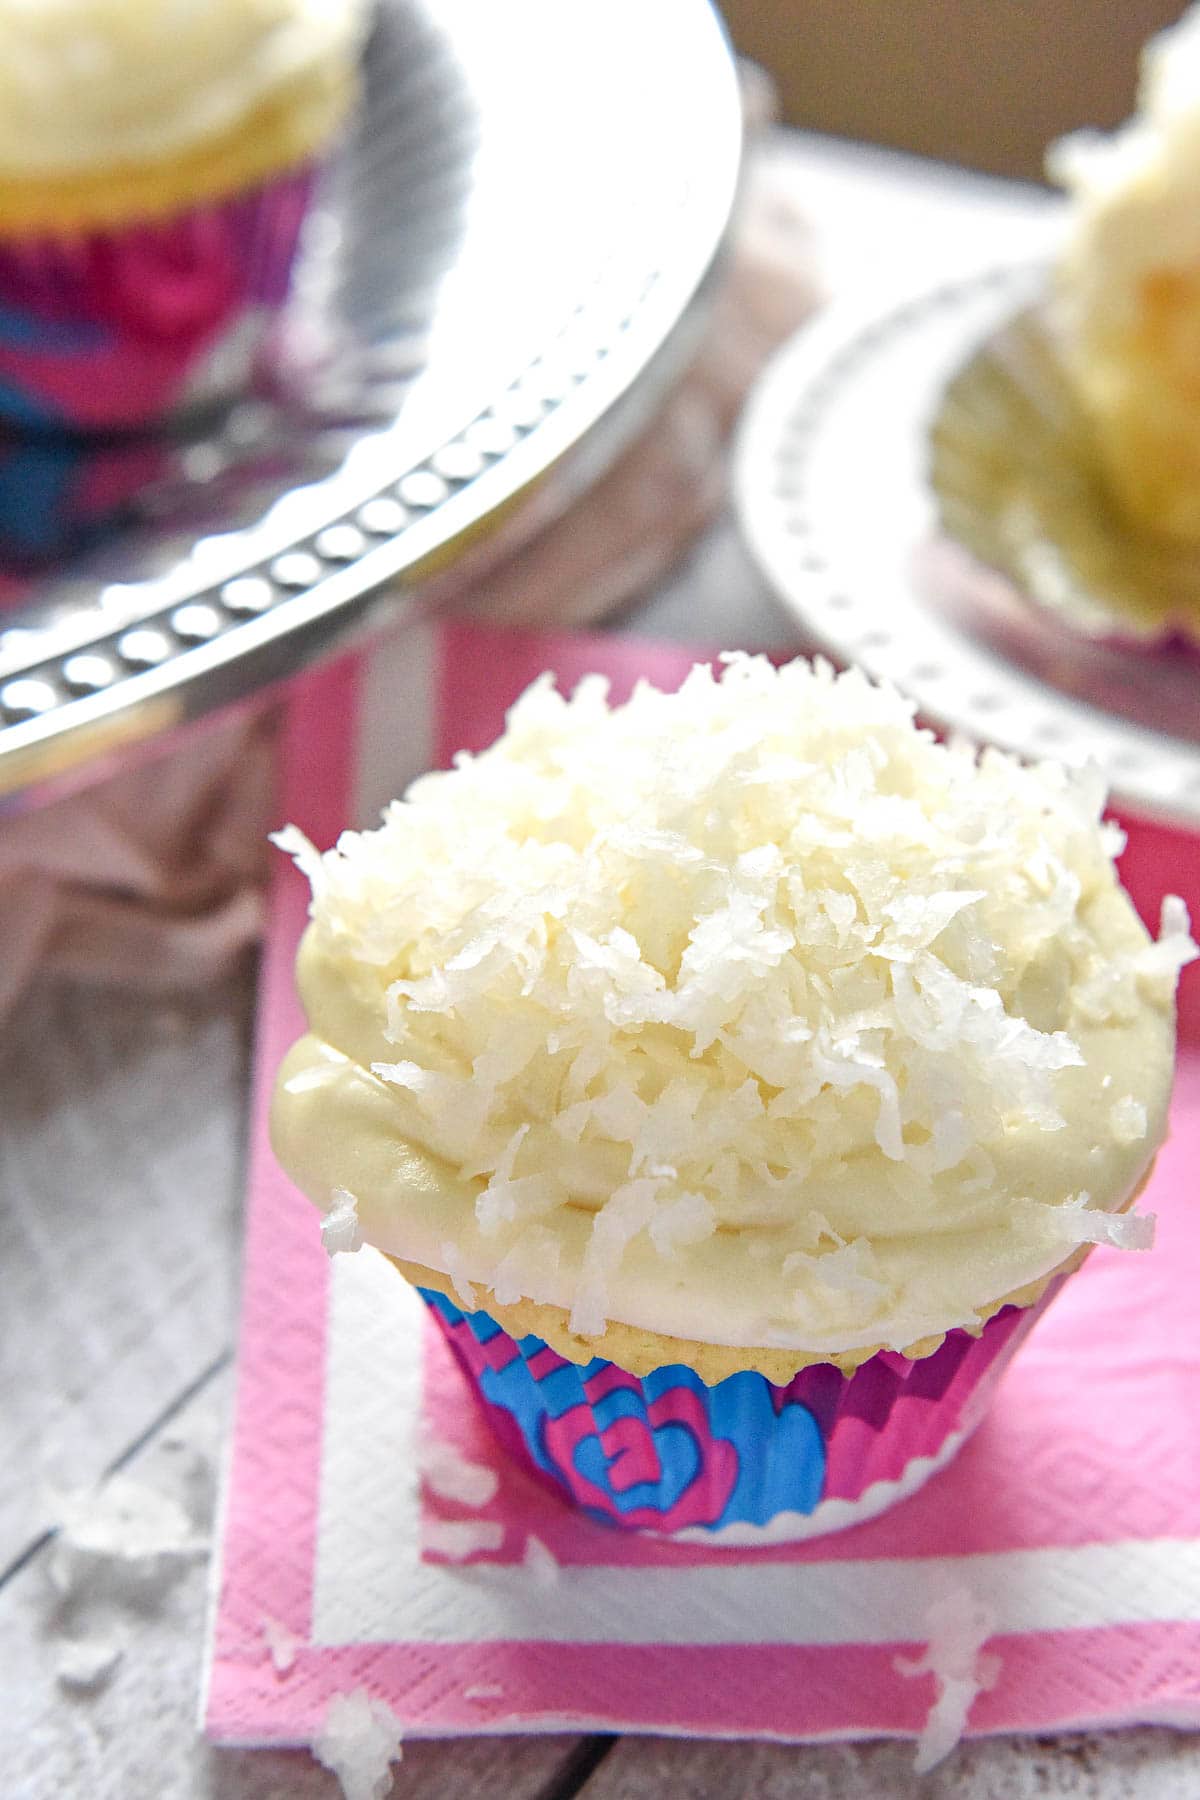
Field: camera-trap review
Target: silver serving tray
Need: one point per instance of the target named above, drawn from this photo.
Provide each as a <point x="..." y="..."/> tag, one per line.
<point x="497" y="284"/>
<point x="833" y="489"/>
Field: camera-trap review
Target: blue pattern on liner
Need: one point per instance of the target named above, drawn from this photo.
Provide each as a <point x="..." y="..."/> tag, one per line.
<point x="663" y="1453"/>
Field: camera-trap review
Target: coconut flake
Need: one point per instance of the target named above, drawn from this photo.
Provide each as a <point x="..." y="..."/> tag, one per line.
<point x="959" y="1626"/>
<point x="1159" y="964"/>
<point x="615" y="1226"/>
<point x="340" y="1230"/>
<point x="456" y="1269"/>
<point x="848" y="1269"/>
<point x="282" y="1644"/>
<point x="453" y="1476"/>
<point x="307" y="858"/>
<point x="1077" y="1222"/>
<point x="540" y="1562"/>
<point x="529" y="1269"/>
<point x="707" y="949"/>
<point x="82" y="1665"/>
<point x="943" y="1013"/>
<point x="917" y="920"/>
<point x="570" y="1124"/>
<point x="619" y="1114"/>
<point x="681" y="1222"/>
<point x="1128" y="1120"/>
<point x="123" y="1534"/>
<point x="359" y="1741"/>
<point x="851" y="1064"/>
<point x="508" y="1198"/>
<point x="509" y="1202"/>
<point x="458" y="1105"/>
<point x="459" y="1539"/>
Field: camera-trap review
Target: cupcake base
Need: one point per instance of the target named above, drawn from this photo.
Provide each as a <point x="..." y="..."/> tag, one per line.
<point x="129" y="327"/>
<point x="744" y="1461"/>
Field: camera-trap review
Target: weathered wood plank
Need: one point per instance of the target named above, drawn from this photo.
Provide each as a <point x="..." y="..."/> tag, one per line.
<point x="1144" y="1764"/>
<point x="121" y="1157"/>
<point x="135" y="1737"/>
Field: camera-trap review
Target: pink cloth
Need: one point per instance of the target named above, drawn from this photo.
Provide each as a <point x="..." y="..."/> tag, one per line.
<point x="153" y="878"/>
<point x="1073" y="1515"/>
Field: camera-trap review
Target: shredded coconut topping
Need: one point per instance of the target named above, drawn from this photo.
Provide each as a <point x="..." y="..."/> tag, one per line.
<point x="455" y="1266"/>
<point x="340" y="1229"/>
<point x="84" y="1664"/>
<point x="1128" y="1118"/>
<point x="685" y="962"/>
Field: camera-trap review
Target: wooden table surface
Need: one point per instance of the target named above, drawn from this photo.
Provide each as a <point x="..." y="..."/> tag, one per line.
<point x="122" y="1130"/>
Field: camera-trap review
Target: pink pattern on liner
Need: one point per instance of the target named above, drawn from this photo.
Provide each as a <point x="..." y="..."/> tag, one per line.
<point x="629" y="1447"/>
<point x="113" y="330"/>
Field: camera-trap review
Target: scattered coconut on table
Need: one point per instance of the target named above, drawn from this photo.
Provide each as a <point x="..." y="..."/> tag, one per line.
<point x="359" y="1741"/>
<point x="959" y="1626"/>
<point x="459" y="1539"/>
<point x="453" y="1476"/>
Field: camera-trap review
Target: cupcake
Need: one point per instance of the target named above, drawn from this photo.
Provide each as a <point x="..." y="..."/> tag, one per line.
<point x="156" y="158"/>
<point x="1126" y="296"/>
<point x="738" y="1073"/>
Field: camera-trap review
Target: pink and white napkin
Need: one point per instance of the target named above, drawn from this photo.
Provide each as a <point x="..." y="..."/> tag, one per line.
<point x="1071" y="1521"/>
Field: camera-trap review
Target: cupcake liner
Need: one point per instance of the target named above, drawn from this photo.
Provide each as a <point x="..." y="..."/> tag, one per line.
<point x="1017" y="474"/>
<point x="114" y="330"/>
<point x="743" y="1461"/>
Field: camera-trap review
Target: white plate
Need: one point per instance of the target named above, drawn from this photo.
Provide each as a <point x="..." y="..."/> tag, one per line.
<point x="833" y="493"/>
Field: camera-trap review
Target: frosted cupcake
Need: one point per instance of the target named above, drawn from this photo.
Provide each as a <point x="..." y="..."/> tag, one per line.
<point x="1126" y="300"/>
<point x="737" y="1073"/>
<point x="156" y="158"/>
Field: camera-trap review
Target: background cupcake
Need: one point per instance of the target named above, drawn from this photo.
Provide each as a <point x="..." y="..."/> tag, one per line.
<point x="1126" y="299"/>
<point x="156" y="158"/>
<point x="738" y="1073"/>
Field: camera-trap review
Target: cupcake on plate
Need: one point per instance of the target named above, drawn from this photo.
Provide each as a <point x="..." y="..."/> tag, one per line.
<point x="156" y="159"/>
<point x="1126" y="297"/>
<point x="738" y="1073"/>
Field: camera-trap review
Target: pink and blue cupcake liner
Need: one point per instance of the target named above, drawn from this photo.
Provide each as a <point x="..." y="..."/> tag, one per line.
<point x="119" y="329"/>
<point x="743" y="1459"/>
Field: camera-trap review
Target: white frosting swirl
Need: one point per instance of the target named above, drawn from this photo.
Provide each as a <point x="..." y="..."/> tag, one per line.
<point x="110" y="82"/>
<point x="751" y="1015"/>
